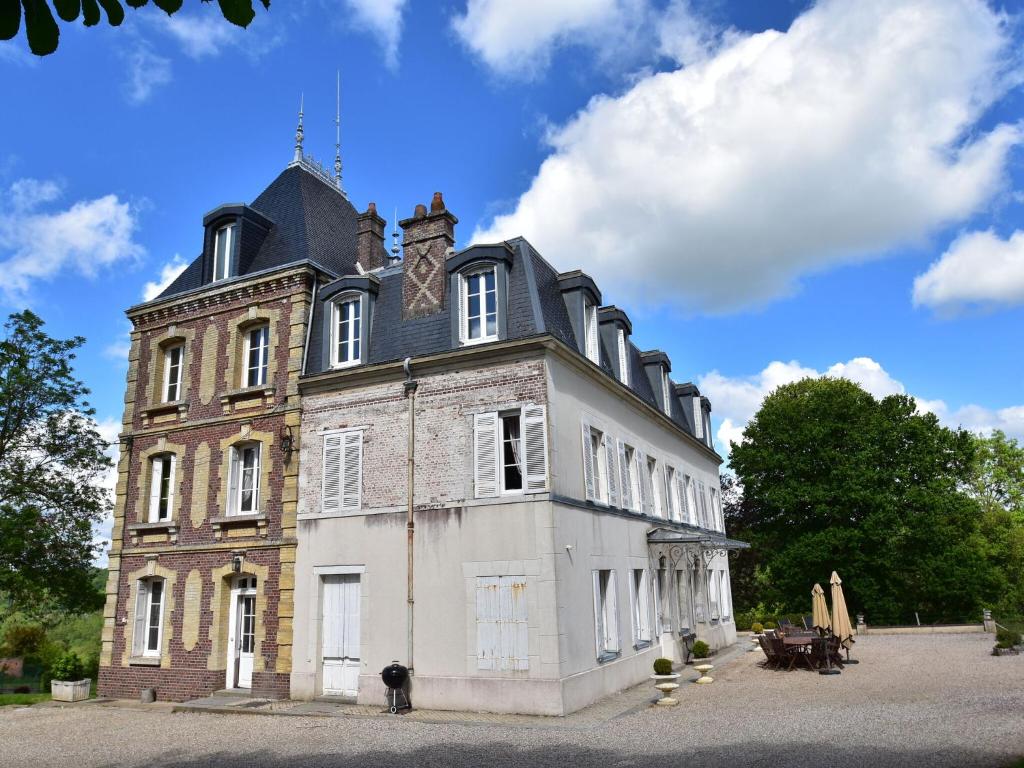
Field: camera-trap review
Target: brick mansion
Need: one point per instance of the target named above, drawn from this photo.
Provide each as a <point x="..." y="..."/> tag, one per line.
<point x="308" y="416"/>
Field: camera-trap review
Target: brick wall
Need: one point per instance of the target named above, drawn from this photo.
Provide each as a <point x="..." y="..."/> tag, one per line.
<point x="445" y="404"/>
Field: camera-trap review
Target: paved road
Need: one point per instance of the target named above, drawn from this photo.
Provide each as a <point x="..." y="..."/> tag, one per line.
<point x="914" y="701"/>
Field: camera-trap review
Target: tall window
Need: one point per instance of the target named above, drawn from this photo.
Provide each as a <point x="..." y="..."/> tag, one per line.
<point x="257" y="350"/>
<point x="716" y="511"/>
<point x="347" y="332"/>
<point x="595" y="464"/>
<point x="639" y="593"/>
<point x="606" y="619"/>
<point x="691" y="499"/>
<point x="714" y="583"/>
<point x="223" y="247"/>
<point x="343" y="471"/>
<point x="666" y="389"/>
<point x="161" y="488"/>
<point x="149" y="603"/>
<point x="685" y="598"/>
<point x="705" y="518"/>
<point x="480" y="305"/>
<point x="671" y="502"/>
<point x="593" y="346"/>
<point x="502" y="635"/>
<point x="173" y="359"/>
<point x="657" y="489"/>
<point x="630" y="477"/>
<point x="510" y="453"/>
<point x="244" y="496"/>
<point x="698" y="418"/>
<point x="623" y="357"/>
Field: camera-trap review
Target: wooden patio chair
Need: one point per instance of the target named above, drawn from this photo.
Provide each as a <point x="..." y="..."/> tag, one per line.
<point x="808" y="622"/>
<point x="772" y="659"/>
<point x="785" y="625"/>
<point x="787" y="656"/>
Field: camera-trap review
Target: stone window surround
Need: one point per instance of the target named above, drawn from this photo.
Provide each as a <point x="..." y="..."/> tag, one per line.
<point x="151" y="569"/>
<point x="239" y="326"/>
<point x="144" y="481"/>
<point x="158" y="345"/>
<point x="220" y="605"/>
<point x="245" y="435"/>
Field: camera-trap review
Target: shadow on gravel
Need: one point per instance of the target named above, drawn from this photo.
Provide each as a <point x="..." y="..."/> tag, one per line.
<point x="507" y="754"/>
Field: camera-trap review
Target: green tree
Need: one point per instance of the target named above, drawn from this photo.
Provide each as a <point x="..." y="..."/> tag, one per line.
<point x="44" y="34"/>
<point x="51" y="466"/>
<point x="834" y="479"/>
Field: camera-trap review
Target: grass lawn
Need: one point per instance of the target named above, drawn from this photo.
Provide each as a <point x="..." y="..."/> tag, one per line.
<point x="22" y="698"/>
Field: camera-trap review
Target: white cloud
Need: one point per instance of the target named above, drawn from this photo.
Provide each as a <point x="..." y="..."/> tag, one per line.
<point x="147" y="71"/>
<point x="168" y="273"/>
<point x="978" y="269"/>
<point x="109" y="429"/>
<point x="38" y="244"/>
<point x="719" y="184"/>
<point x="736" y="399"/>
<point x="203" y="35"/>
<point x="382" y="19"/>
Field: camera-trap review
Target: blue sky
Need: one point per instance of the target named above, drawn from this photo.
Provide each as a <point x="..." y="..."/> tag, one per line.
<point x="838" y="195"/>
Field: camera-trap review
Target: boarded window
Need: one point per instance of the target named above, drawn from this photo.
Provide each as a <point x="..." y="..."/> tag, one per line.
<point x="501" y="623"/>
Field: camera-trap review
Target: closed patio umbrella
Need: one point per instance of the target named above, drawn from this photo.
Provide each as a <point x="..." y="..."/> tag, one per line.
<point x="841" y="626"/>
<point x="819" y="610"/>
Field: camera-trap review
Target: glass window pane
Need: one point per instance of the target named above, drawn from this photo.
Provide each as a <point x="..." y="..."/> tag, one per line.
<point x="489" y="280"/>
<point x="474" y="328"/>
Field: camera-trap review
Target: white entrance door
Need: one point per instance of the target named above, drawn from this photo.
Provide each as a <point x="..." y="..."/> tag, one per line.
<point x="242" y="632"/>
<point x="340" y="644"/>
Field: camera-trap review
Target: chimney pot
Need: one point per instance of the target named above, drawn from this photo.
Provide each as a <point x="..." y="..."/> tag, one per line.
<point x="371" y="208"/>
<point x="421" y="211"/>
<point x="437" y="204"/>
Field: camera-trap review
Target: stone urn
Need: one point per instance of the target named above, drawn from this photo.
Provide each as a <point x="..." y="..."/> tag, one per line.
<point x="666" y="686"/>
<point x="704" y="678"/>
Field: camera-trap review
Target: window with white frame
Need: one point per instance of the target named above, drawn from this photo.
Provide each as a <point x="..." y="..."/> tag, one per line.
<point x="671" y="501"/>
<point x="257" y="353"/>
<point x="342" y="483"/>
<point x="149" y="617"/>
<point x="244" y="490"/>
<point x="644" y="470"/>
<point x="713" y="586"/>
<point x="691" y="501"/>
<point x="595" y="464"/>
<point x="161" y="487"/>
<point x="174" y="357"/>
<point x="479" y="305"/>
<point x="657" y="488"/>
<point x="502" y="628"/>
<point x="685" y="600"/>
<point x="510" y="452"/>
<point x="725" y="595"/>
<point x="698" y="418"/>
<point x="593" y="344"/>
<point x="223" y="248"/>
<point x="716" y="510"/>
<point x="661" y="604"/>
<point x="605" y="614"/>
<point x="639" y="596"/>
<point x="629" y="480"/>
<point x="346" y="330"/>
<point x="702" y="494"/>
<point x="623" y="357"/>
<point x="666" y="389"/>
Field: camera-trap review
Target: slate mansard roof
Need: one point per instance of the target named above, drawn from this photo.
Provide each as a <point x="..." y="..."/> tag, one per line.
<point x="311" y="221"/>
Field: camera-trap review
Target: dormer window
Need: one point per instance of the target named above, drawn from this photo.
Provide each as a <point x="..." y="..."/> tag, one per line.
<point x="593" y="346"/>
<point x="346" y="342"/>
<point x="698" y="418"/>
<point x="173" y="358"/>
<point x="623" y="357"/>
<point x="223" y="247"/>
<point x="479" y="305"/>
<point x="666" y="388"/>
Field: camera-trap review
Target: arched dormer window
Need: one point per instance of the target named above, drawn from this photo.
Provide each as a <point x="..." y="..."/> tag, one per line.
<point x="479" y="290"/>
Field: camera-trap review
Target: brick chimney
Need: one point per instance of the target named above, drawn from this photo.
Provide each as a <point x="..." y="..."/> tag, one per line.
<point x="370" y="252"/>
<point x="428" y="236"/>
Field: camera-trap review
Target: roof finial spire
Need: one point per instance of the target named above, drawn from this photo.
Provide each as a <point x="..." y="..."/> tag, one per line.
<point x="394" y="239"/>
<point x="299" y="132"/>
<point x="337" y="137"/>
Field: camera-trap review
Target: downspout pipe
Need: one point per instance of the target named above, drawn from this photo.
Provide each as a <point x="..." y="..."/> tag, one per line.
<point x="410" y="387"/>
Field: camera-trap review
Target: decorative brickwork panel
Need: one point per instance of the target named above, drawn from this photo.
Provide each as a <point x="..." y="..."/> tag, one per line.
<point x="191" y="610"/>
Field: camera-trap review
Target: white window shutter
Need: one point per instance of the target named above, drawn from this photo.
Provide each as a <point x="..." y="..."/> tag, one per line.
<point x="623" y="359"/>
<point x="141" y="614"/>
<point x="670" y="502"/>
<point x="593" y="345"/>
<point x="332" y="473"/>
<point x="257" y="470"/>
<point x="535" y="442"/>
<point x="588" y="463"/>
<point x="155" y="476"/>
<point x="599" y="628"/>
<point x="613" y="614"/>
<point x="485" y="454"/>
<point x="462" y="308"/>
<point x="517" y="624"/>
<point x="353" y="466"/>
<point x="234" y="470"/>
<point x="626" y="487"/>
<point x="170" y="488"/>
<point x="698" y="418"/>
<point x="487" y="615"/>
<point x="681" y="495"/>
<point x="646" y="488"/>
<point x="634" y="608"/>
<point x="613" y="485"/>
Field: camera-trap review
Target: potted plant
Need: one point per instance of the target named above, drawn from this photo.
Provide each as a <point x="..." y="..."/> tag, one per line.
<point x="67" y="682"/>
<point x="1006" y="642"/>
<point x="757" y="628"/>
<point x="665" y="681"/>
<point x="701" y="650"/>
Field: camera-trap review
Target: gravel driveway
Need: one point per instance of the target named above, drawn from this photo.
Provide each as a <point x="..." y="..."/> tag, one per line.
<point x="929" y="700"/>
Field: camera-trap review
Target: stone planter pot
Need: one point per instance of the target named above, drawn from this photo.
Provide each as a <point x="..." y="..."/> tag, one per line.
<point x="666" y="685"/>
<point x="70" y="690"/>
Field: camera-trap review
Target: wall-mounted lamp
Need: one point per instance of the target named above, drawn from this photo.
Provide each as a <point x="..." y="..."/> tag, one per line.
<point x="236" y="564"/>
<point x="287" y="442"/>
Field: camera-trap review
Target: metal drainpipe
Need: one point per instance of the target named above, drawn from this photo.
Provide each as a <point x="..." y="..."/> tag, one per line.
<point x="410" y="525"/>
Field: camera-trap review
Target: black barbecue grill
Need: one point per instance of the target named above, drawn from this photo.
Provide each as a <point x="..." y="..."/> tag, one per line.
<point x="396" y="678"/>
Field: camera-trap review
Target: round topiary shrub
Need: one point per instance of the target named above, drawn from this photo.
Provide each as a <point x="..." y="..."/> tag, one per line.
<point x="67" y="668"/>
<point x="757" y="628"/>
<point x="663" y="666"/>
<point x="701" y="650"/>
<point x="769" y="625"/>
<point x="1007" y="638"/>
